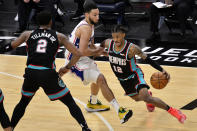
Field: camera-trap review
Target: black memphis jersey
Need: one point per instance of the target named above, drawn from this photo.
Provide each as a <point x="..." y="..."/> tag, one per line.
<point x="42" y="47"/>
<point x="121" y="66"/>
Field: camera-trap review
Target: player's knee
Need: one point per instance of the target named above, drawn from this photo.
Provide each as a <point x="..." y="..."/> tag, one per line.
<point x="136" y="98"/>
<point x="101" y="79"/>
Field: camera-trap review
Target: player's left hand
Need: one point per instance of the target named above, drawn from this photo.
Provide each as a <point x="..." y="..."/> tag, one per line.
<point x="62" y="71"/>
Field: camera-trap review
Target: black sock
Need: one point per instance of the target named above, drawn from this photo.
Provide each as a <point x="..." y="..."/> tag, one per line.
<point x="168" y="107"/>
<point x="74" y="109"/>
<point x="19" y="110"/>
<point x="4" y="119"/>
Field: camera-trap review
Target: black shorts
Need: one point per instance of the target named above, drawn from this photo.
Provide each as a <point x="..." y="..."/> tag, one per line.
<point x="48" y="79"/>
<point x="1" y="96"/>
<point x="134" y="84"/>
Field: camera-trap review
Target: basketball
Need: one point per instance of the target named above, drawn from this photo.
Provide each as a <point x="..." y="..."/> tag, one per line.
<point x="158" y="80"/>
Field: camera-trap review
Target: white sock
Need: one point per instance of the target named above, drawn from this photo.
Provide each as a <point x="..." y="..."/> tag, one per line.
<point x="93" y="99"/>
<point x="115" y="104"/>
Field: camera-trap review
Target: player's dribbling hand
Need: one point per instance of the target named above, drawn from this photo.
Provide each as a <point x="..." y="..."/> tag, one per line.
<point x="167" y="75"/>
<point x="62" y="71"/>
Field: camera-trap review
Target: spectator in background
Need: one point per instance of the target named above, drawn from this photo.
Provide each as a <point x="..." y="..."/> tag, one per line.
<point x="1" y="2"/>
<point x="24" y="10"/>
<point x="182" y="8"/>
<point x="80" y="10"/>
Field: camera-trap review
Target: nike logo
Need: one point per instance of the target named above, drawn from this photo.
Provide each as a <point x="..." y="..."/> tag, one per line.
<point x="122" y="54"/>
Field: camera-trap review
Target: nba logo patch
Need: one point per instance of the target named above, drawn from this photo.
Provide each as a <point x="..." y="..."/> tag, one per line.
<point x="61" y="83"/>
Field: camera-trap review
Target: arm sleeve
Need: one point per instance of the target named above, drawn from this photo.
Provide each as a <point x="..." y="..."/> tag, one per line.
<point x="6" y="48"/>
<point x="153" y="64"/>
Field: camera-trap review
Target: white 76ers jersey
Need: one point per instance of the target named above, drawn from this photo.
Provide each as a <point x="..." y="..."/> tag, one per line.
<point x="83" y="62"/>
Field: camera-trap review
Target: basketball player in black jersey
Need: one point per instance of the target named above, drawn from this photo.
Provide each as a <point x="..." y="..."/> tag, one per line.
<point x="4" y="119"/>
<point x="122" y="60"/>
<point x="42" y="46"/>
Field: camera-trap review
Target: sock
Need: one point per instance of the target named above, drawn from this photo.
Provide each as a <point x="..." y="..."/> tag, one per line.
<point x="93" y="99"/>
<point x="115" y="104"/>
<point x="168" y="108"/>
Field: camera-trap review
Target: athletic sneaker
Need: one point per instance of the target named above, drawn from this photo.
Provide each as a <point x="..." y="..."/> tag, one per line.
<point x="124" y="114"/>
<point x="150" y="107"/>
<point x="178" y="114"/>
<point x="96" y="107"/>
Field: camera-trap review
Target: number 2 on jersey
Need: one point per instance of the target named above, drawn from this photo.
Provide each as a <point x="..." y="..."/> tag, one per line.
<point x="117" y="69"/>
<point x="41" y="47"/>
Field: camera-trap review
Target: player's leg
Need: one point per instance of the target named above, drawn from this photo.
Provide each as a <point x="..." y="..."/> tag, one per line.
<point x="4" y="119"/>
<point x="89" y="76"/>
<point x="55" y="89"/>
<point x="93" y="75"/>
<point x="75" y="111"/>
<point x="145" y="96"/>
<point x="28" y="90"/>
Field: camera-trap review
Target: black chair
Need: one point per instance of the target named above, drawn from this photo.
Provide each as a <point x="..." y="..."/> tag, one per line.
<point x="42" y="6"/>
<point x="111" y="11"/>
<point x="173" y="23"/>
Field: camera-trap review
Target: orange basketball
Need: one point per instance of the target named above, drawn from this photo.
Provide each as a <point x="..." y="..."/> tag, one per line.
<point x="158" y="80"/>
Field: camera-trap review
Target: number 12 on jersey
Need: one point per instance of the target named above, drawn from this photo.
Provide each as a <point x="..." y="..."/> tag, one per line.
<point x="117" y="69"/>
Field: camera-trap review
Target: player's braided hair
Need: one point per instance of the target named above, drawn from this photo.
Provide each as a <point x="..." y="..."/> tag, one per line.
<point x="43" y="18"/>
<point x="119" y="28"/>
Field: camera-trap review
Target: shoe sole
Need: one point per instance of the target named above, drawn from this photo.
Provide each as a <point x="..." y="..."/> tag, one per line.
<point x="96" y="110"/>
<point x="150" y="109"/>
<point x="127" y="116"/>
<point x="183" y="118"/>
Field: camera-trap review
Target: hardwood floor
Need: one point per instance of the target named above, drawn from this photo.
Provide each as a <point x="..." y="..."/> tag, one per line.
<point x="44" y="115"/>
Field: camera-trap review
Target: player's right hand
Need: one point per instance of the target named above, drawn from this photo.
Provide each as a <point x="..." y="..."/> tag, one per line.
<point x="99" y="51"/>
<point x="62" y="71"/>
<point x="167" y="74"/>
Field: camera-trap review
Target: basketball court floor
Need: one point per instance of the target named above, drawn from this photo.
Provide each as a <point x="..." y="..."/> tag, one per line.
<point x="176" y="55"/>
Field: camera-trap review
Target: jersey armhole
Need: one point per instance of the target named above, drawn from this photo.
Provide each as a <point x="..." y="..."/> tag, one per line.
<point x="109" y="47"/>
<point x="127" y="52"/>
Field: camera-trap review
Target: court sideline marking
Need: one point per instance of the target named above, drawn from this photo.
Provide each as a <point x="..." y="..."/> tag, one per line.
<point x="80" y="102"/>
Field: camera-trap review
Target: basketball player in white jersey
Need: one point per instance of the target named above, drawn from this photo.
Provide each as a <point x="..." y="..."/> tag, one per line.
<point x="86" y="68"/>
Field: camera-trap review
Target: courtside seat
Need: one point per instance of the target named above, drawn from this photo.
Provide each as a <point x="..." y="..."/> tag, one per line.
<point x="111" y="10"/>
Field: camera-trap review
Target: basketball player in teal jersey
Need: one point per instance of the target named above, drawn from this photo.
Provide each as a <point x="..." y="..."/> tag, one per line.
<point x="4" y="119"/>
<point x="42" y="46"/>
<point x="122" y="60"/>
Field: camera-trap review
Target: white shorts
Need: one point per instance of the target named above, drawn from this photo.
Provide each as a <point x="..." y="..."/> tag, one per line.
<point x="86" y="69"/>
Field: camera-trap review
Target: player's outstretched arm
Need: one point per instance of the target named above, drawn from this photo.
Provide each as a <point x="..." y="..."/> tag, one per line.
<point x="105" y="44"/>
<point x="18" y="41"/>
<point x="85" y="35"/>
<point x="63" y="40"/>
<point x="136" y="50"/>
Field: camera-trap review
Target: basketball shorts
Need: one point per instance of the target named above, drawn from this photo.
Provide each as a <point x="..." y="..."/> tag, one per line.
<point x="48" y="79"/>
<point x="1" y="96"/>
<point x="132" y="85"/>
<point x="86" y="70"/>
